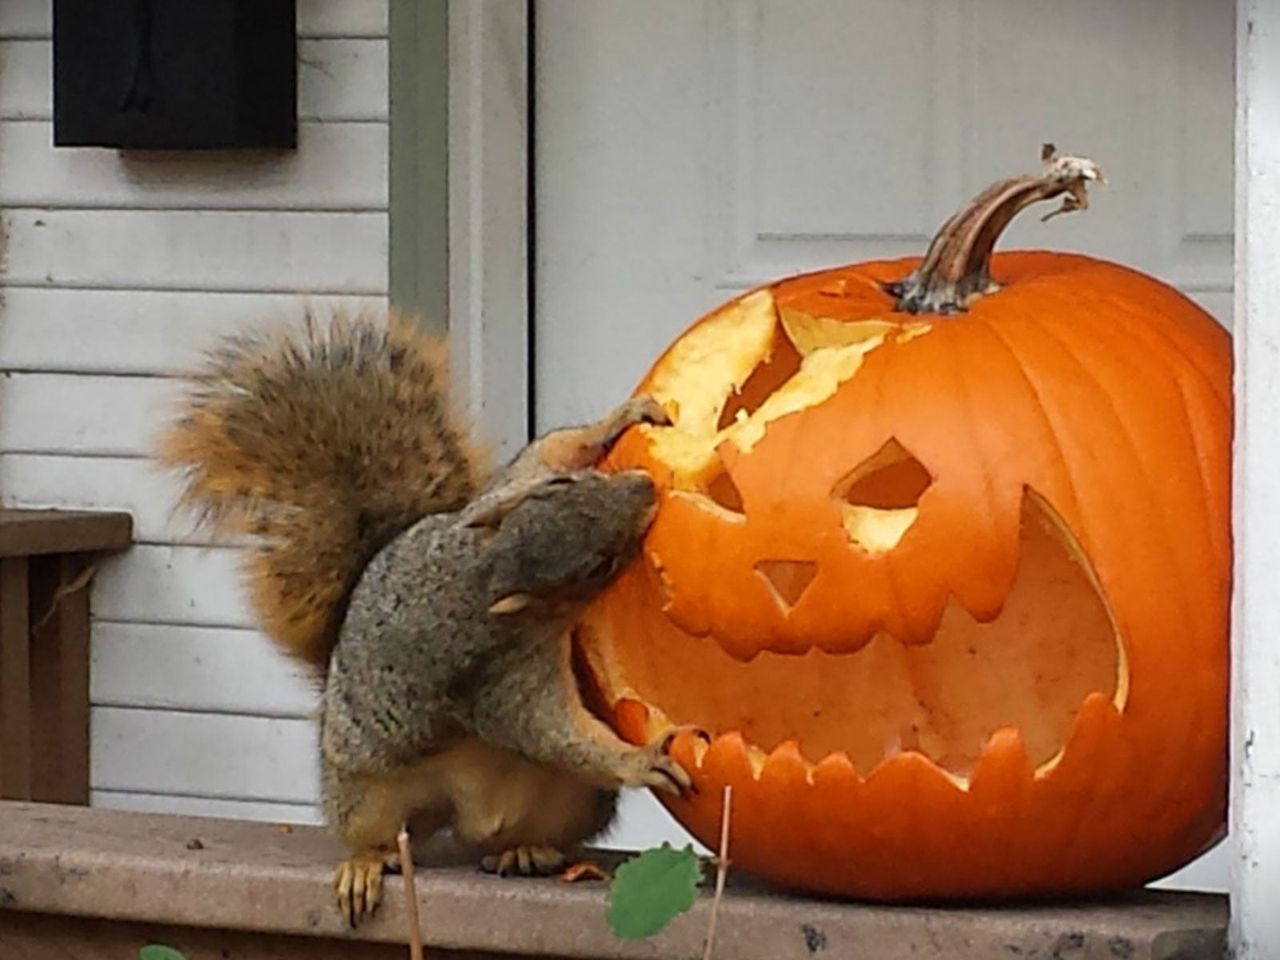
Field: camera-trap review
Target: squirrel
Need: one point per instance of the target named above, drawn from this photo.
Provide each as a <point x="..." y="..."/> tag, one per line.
<point x="434" y="606"/>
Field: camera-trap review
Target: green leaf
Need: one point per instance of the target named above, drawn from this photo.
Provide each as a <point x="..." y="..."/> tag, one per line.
<point x="154" y="951"/>
<point x="650" y="890"/>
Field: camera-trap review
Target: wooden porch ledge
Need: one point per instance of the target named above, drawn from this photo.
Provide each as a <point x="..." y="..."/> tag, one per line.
<point x="47" y="562"/>
<point x="28" y="533"/>
<point x="125" y="873"/>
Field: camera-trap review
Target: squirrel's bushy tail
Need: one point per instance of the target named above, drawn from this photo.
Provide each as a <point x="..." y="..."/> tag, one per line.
<point x="323" y="443"/>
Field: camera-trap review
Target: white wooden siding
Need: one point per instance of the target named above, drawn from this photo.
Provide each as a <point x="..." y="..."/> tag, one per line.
<point x="205" y="806"/>
<point x="117" y="268"/>
<point x="317" y="177"/>
<point x="208" y="669"/>
<point x="273" y="251"/>
<point x="228" y="756"/>
<point x="144" y="332"/>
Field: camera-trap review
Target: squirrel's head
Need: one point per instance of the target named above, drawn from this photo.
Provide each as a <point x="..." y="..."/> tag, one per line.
<point x="563" y="540"/>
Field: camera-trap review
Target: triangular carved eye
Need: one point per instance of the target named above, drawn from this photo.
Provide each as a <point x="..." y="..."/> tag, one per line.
<point x="772" y="372"/>
<point x="788" y="579"/>
<point x="725" y="492"/>
<point x="889" y="479"/>
<point x="879" y="497"/>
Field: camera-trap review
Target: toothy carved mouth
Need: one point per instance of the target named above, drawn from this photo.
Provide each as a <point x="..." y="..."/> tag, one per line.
<point x="1031" y="668"/>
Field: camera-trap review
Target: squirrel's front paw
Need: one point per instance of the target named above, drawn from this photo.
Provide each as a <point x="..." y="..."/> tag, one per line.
<point x="357" y="884"/>
<point x="644" y="409"/>
<point x="654" y="767"/>
<point x="648" y="410"/>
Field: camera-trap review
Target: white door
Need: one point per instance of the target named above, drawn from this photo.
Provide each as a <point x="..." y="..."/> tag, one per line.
<point x="687" y="149"/>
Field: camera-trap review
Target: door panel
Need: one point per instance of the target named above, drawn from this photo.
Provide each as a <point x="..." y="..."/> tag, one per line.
<point x="688" y="149"/>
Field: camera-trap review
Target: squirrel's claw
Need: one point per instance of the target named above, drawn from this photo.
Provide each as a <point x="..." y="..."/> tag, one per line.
<point x="645" y="409"/>
<point x="357" y="883"/>
<point x="662" y="772"/>
<point x="667" y="775"/>
<point x="526" y="861"/>
<point x="669" y="737"/>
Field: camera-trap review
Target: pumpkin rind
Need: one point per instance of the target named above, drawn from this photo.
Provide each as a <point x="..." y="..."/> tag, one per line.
<point x="1098" y="389"/>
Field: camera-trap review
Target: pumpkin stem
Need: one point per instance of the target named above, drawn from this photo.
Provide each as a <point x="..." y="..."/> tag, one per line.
<point x="955" y="270"/>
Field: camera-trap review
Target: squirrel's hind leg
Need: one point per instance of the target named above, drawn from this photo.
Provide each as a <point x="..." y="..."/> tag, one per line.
<point x="527" y="861"/>
<point x="518" y="816"/>
<point x="367" y="811"/>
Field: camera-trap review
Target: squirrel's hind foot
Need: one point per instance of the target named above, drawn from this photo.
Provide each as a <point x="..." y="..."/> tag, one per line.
<point x="357" y="884"/>
<point x="525" y="861"/>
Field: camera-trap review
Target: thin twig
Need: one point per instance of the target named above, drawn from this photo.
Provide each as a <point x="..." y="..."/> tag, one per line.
<point x="722" y="871"/>
<point x="410" y="894"/>
<point x="65" y="590"/>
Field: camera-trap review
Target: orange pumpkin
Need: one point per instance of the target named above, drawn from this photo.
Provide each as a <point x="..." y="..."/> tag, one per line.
<point x="942" y="563"/>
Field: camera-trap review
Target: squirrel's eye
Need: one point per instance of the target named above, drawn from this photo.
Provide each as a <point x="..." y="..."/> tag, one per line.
<point x="605" y="568"/>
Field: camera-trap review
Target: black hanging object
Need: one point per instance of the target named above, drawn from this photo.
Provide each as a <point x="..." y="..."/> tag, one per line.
<point x="174" y="74"/>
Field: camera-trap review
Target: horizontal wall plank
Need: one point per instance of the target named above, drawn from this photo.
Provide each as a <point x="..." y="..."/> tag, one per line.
<point x="135" y="485"/>
<point x="186" y="585"/>
<point x="210" y="669"/>
<point x="342" y="18"/>
<point x="209" y="250"/>
<point x="68" y="482"/>
<point x="27" y="18"/>
<point x="316" y="18"/>
<point x="66" y="413"/>
<point x="342" y="80"/>
<point x="141" y="331"/>
<point x="320" y="175"/>
<point x="208" y="755"/>
<point x="338" y="79"/>
<point x="205" y="807"/>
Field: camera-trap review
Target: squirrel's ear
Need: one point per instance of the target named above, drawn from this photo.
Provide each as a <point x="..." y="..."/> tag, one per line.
<point x="511" y="603"/>
<point x="490" y="509"/>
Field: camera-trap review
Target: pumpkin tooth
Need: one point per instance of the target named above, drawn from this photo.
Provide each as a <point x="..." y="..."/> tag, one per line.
<point x="1003" y="758"/>
<point x="1003" y="767"/>
<point x="786" y="762"/>
<point x="835" y="766"/>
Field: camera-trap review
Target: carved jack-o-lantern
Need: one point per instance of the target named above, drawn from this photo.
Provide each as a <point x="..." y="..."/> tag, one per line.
<point x="942" y="564"/>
